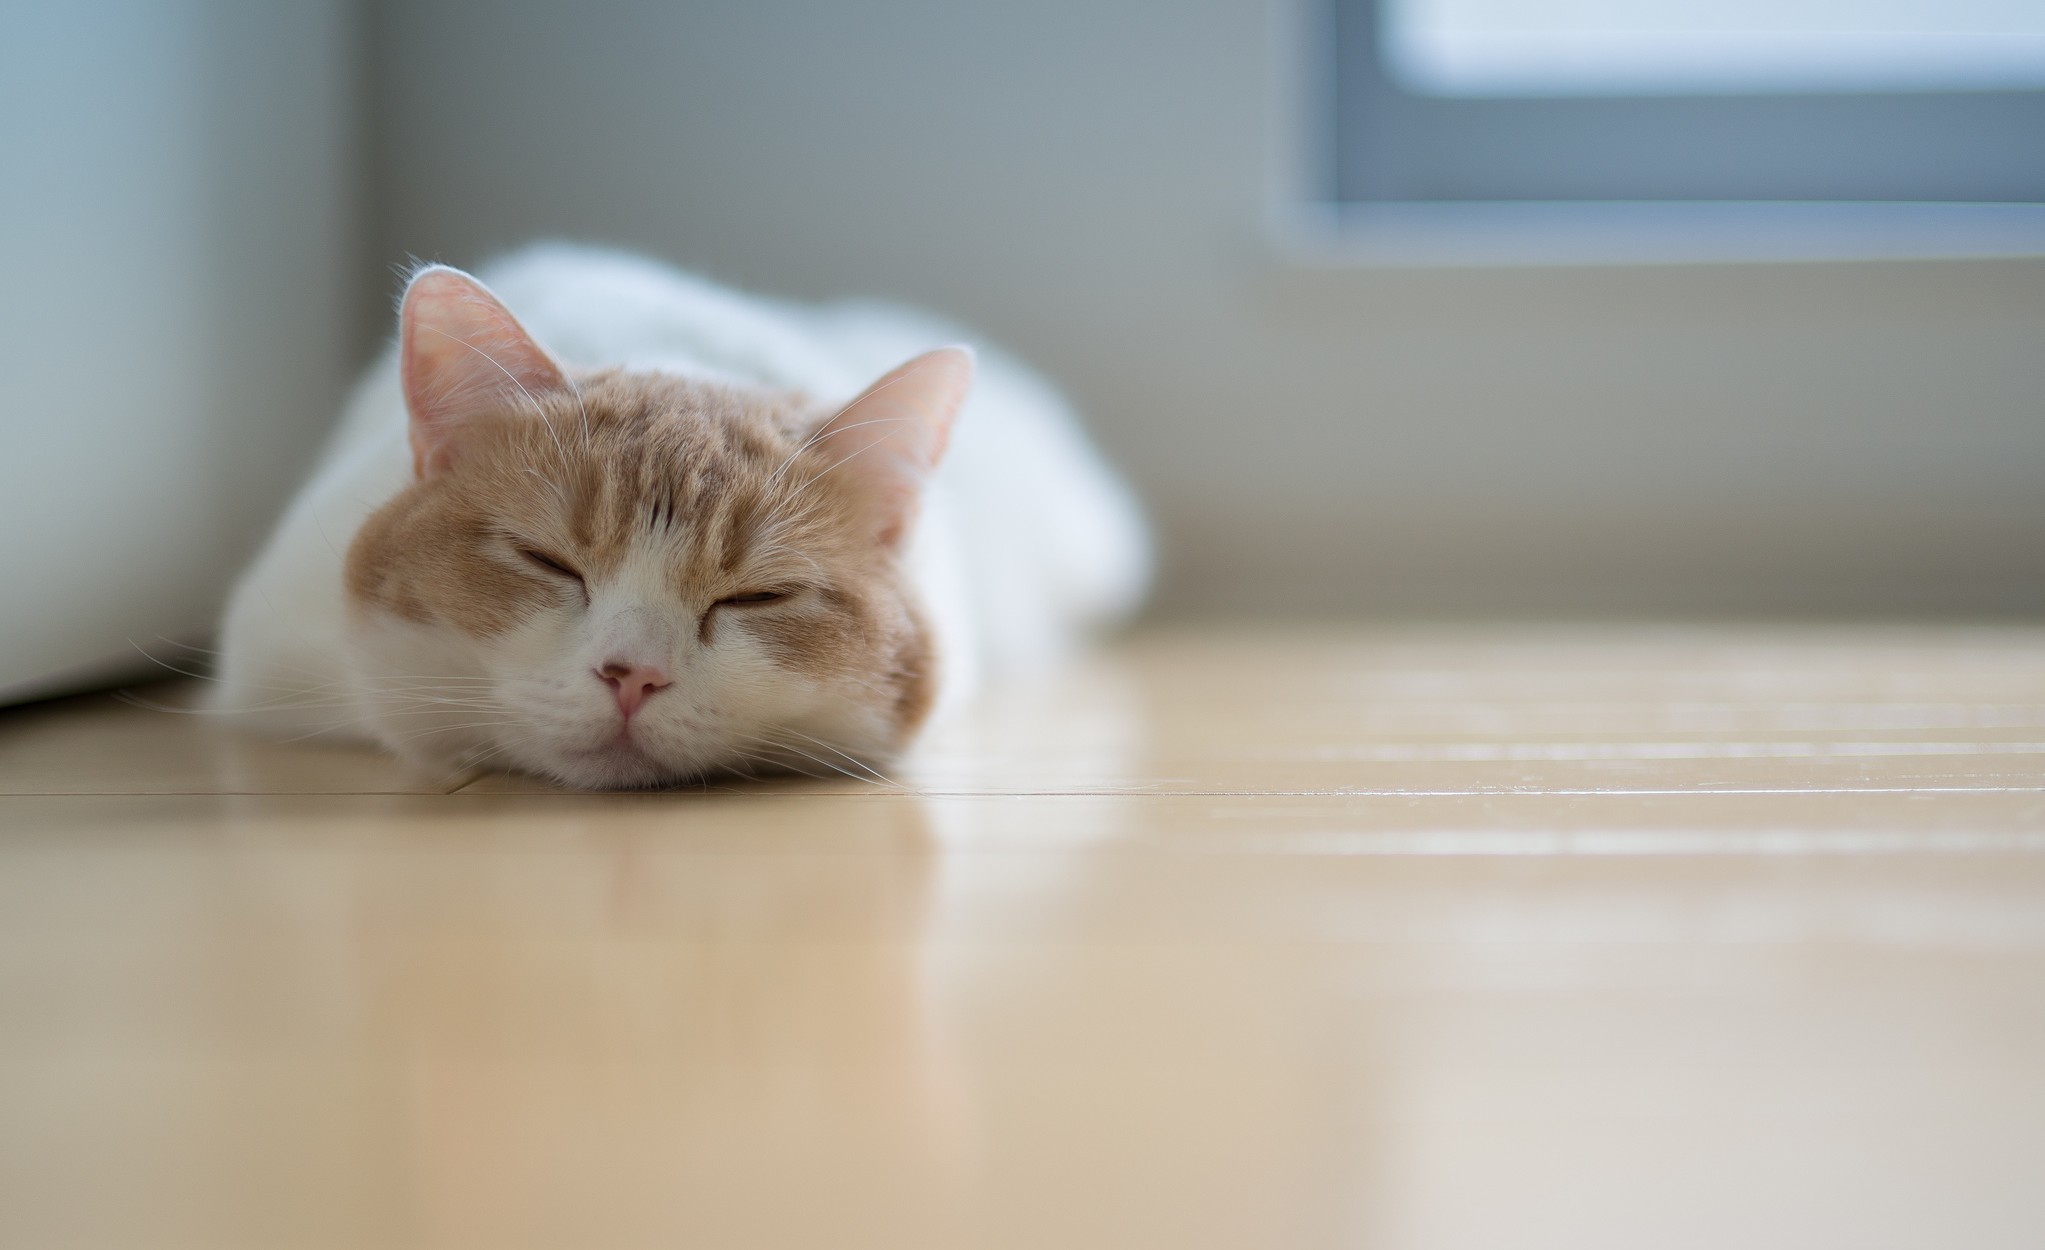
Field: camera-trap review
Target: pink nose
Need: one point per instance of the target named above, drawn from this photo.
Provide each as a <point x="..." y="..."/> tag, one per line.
<point x="634" y="684"/>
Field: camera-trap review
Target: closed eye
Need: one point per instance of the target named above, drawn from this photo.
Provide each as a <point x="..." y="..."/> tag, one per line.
<point x="752" y="597"/>
<point x="549" y="563"/>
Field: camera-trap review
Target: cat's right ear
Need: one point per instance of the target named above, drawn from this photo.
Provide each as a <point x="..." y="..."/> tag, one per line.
<point x="464" y="359"/>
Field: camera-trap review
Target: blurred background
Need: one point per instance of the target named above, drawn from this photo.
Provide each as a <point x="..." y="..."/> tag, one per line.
<point x="1406" y="308"/>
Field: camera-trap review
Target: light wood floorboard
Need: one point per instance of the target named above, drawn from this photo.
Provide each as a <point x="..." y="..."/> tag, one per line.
<point x="1227" y="937"/>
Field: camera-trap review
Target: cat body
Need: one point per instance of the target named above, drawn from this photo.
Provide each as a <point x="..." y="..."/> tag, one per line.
<point x="605" y="522"/>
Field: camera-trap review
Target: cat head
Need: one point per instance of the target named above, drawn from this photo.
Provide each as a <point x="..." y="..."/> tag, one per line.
<point x="620" y="579"/>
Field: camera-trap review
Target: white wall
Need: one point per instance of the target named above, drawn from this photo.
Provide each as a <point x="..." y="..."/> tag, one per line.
<point x="175" y="231"/>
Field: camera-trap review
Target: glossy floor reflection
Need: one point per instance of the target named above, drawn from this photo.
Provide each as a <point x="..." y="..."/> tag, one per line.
<point x="1381" y="939"/>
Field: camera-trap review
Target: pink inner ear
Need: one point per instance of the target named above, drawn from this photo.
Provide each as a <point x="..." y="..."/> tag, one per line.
<point x="886" y="442"/>
<point x="464" y="358"/>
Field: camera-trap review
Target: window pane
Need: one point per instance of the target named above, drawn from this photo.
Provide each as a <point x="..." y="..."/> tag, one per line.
<point x="1689" y="47"/>
<point x="1669" y="140"/>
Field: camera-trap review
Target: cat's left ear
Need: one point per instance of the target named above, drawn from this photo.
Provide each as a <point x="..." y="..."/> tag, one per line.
<point x="464" y="359"/>
<point x="884" y="445"/>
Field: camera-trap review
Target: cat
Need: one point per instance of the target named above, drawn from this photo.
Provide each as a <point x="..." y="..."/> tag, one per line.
<point x="607" y="523"/>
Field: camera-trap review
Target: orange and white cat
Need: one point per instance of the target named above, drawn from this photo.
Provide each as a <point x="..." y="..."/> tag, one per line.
<point x="603" y="522"/>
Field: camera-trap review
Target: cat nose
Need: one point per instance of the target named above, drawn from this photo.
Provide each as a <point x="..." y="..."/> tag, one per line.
<point x="633" y="684"/>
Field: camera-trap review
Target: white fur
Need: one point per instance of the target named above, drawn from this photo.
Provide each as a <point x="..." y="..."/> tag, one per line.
<point x="1026" y="542"/>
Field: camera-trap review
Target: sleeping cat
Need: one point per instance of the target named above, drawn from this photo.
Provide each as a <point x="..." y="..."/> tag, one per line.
<point x="599" y="521"/>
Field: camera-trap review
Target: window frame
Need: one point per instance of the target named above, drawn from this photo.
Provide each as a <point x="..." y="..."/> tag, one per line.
<point x="1395" y="146"/>
<point x="1309" y="229"/>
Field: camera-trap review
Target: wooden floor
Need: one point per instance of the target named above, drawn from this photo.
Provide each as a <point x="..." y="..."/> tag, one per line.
<point x="1367" y="938"/>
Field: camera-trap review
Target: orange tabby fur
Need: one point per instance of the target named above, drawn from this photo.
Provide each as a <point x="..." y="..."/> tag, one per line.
<point x="727" y="479"/>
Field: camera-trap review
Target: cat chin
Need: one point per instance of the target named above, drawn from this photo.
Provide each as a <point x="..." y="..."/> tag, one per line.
<point x="611" y="767"/>
<point x="618" y="766"/>
<point x="642" y="773"/>
<point x="617" y="774"/>
<point x="632" y="767"/>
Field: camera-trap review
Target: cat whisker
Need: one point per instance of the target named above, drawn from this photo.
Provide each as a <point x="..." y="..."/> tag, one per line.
<point x="166" y="664"/>
<point x="186" y="646"/>
<point x="134" y="700"/>
<point x="538" y="408"/>
<point x="428" y="732"/>
<point x="381" y="716"/>
<point x="559" y="494"/>
<point x="494" y="363"/>
<point x="871" y="772"/>
<point x="575" y="389"/>
<point x="776" y="744"/>
<point x="310" y="698"/>
<point x="788" y="500"/>
<point x="477" y="757"/>
<point x="821" y="432"/>
<point x="347" y="722"/>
